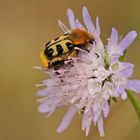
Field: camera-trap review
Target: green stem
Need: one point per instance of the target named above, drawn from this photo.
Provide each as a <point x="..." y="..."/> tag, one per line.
<point x="106" y="60"/>
<point x="134" y="102"/>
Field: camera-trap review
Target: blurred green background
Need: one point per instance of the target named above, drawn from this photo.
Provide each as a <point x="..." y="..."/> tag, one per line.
<point x="25" y="26"/>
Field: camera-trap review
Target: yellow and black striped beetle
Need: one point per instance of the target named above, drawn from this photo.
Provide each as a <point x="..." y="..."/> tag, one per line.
<point x="58" y="50"/>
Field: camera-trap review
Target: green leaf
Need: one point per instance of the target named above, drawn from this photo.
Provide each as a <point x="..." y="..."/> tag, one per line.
<point x="112" y="99"/>
<point x="106" y="60"/>
<point x="121" y="58"/>
<point x="134" y="102"/>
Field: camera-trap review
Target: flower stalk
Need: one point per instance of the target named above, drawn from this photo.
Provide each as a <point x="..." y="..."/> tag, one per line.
<point x="134" y="102"/>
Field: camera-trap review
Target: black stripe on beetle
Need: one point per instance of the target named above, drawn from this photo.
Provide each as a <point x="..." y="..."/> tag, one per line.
<point x="47" y="44"/>
<point x="59" y="49"/>
<point x="56" y="38"/>
<point x="57" y="64"/>
<point x="49" y="52"/>
<point x="70" y="46"/>
<point x="66" y="34"/>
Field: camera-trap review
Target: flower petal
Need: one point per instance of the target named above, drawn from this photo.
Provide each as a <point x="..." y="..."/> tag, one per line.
<point x="124" y="95"/>
<point x="51" y="112"/>
<point x="100" y="126"/>
<point x="47" y="106"/>
<point x="98" y="26"/>
<point x="45" y="92"/>
<point x="71" y="18"/>
<point x="126" y="70"/>
<point x="88" y="21"/>
<point x="113" y="40"/>
<point x="86" y="123"/>
<point x="88" y="127"/>
<point x="49" y="82"/>
<point x="67" y="119"/>
<point x="127" y="40"/>
<point x="133" y="85"/>
<point x="106" y="109"/>
<point x="121" y="91"/>
<point x="79" y="25"/>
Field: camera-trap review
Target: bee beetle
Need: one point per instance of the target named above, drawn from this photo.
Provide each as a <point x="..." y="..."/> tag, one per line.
<point x="58" y="50"/>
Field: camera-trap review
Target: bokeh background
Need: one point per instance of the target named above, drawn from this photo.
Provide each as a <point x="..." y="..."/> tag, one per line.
<point x="25" y="26"/>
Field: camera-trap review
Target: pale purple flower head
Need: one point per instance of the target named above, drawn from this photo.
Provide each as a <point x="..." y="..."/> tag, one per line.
<point x="87" y="82"/>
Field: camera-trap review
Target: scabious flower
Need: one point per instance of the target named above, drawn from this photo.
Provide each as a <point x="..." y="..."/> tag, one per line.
<point x="89" y="81"/>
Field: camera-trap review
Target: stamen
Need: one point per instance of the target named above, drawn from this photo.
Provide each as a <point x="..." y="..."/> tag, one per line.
<point x="83" y="50"/>
<point x="63" y="27"/>
<point x="39" y="85"/>
<point x="37" y="67"/>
